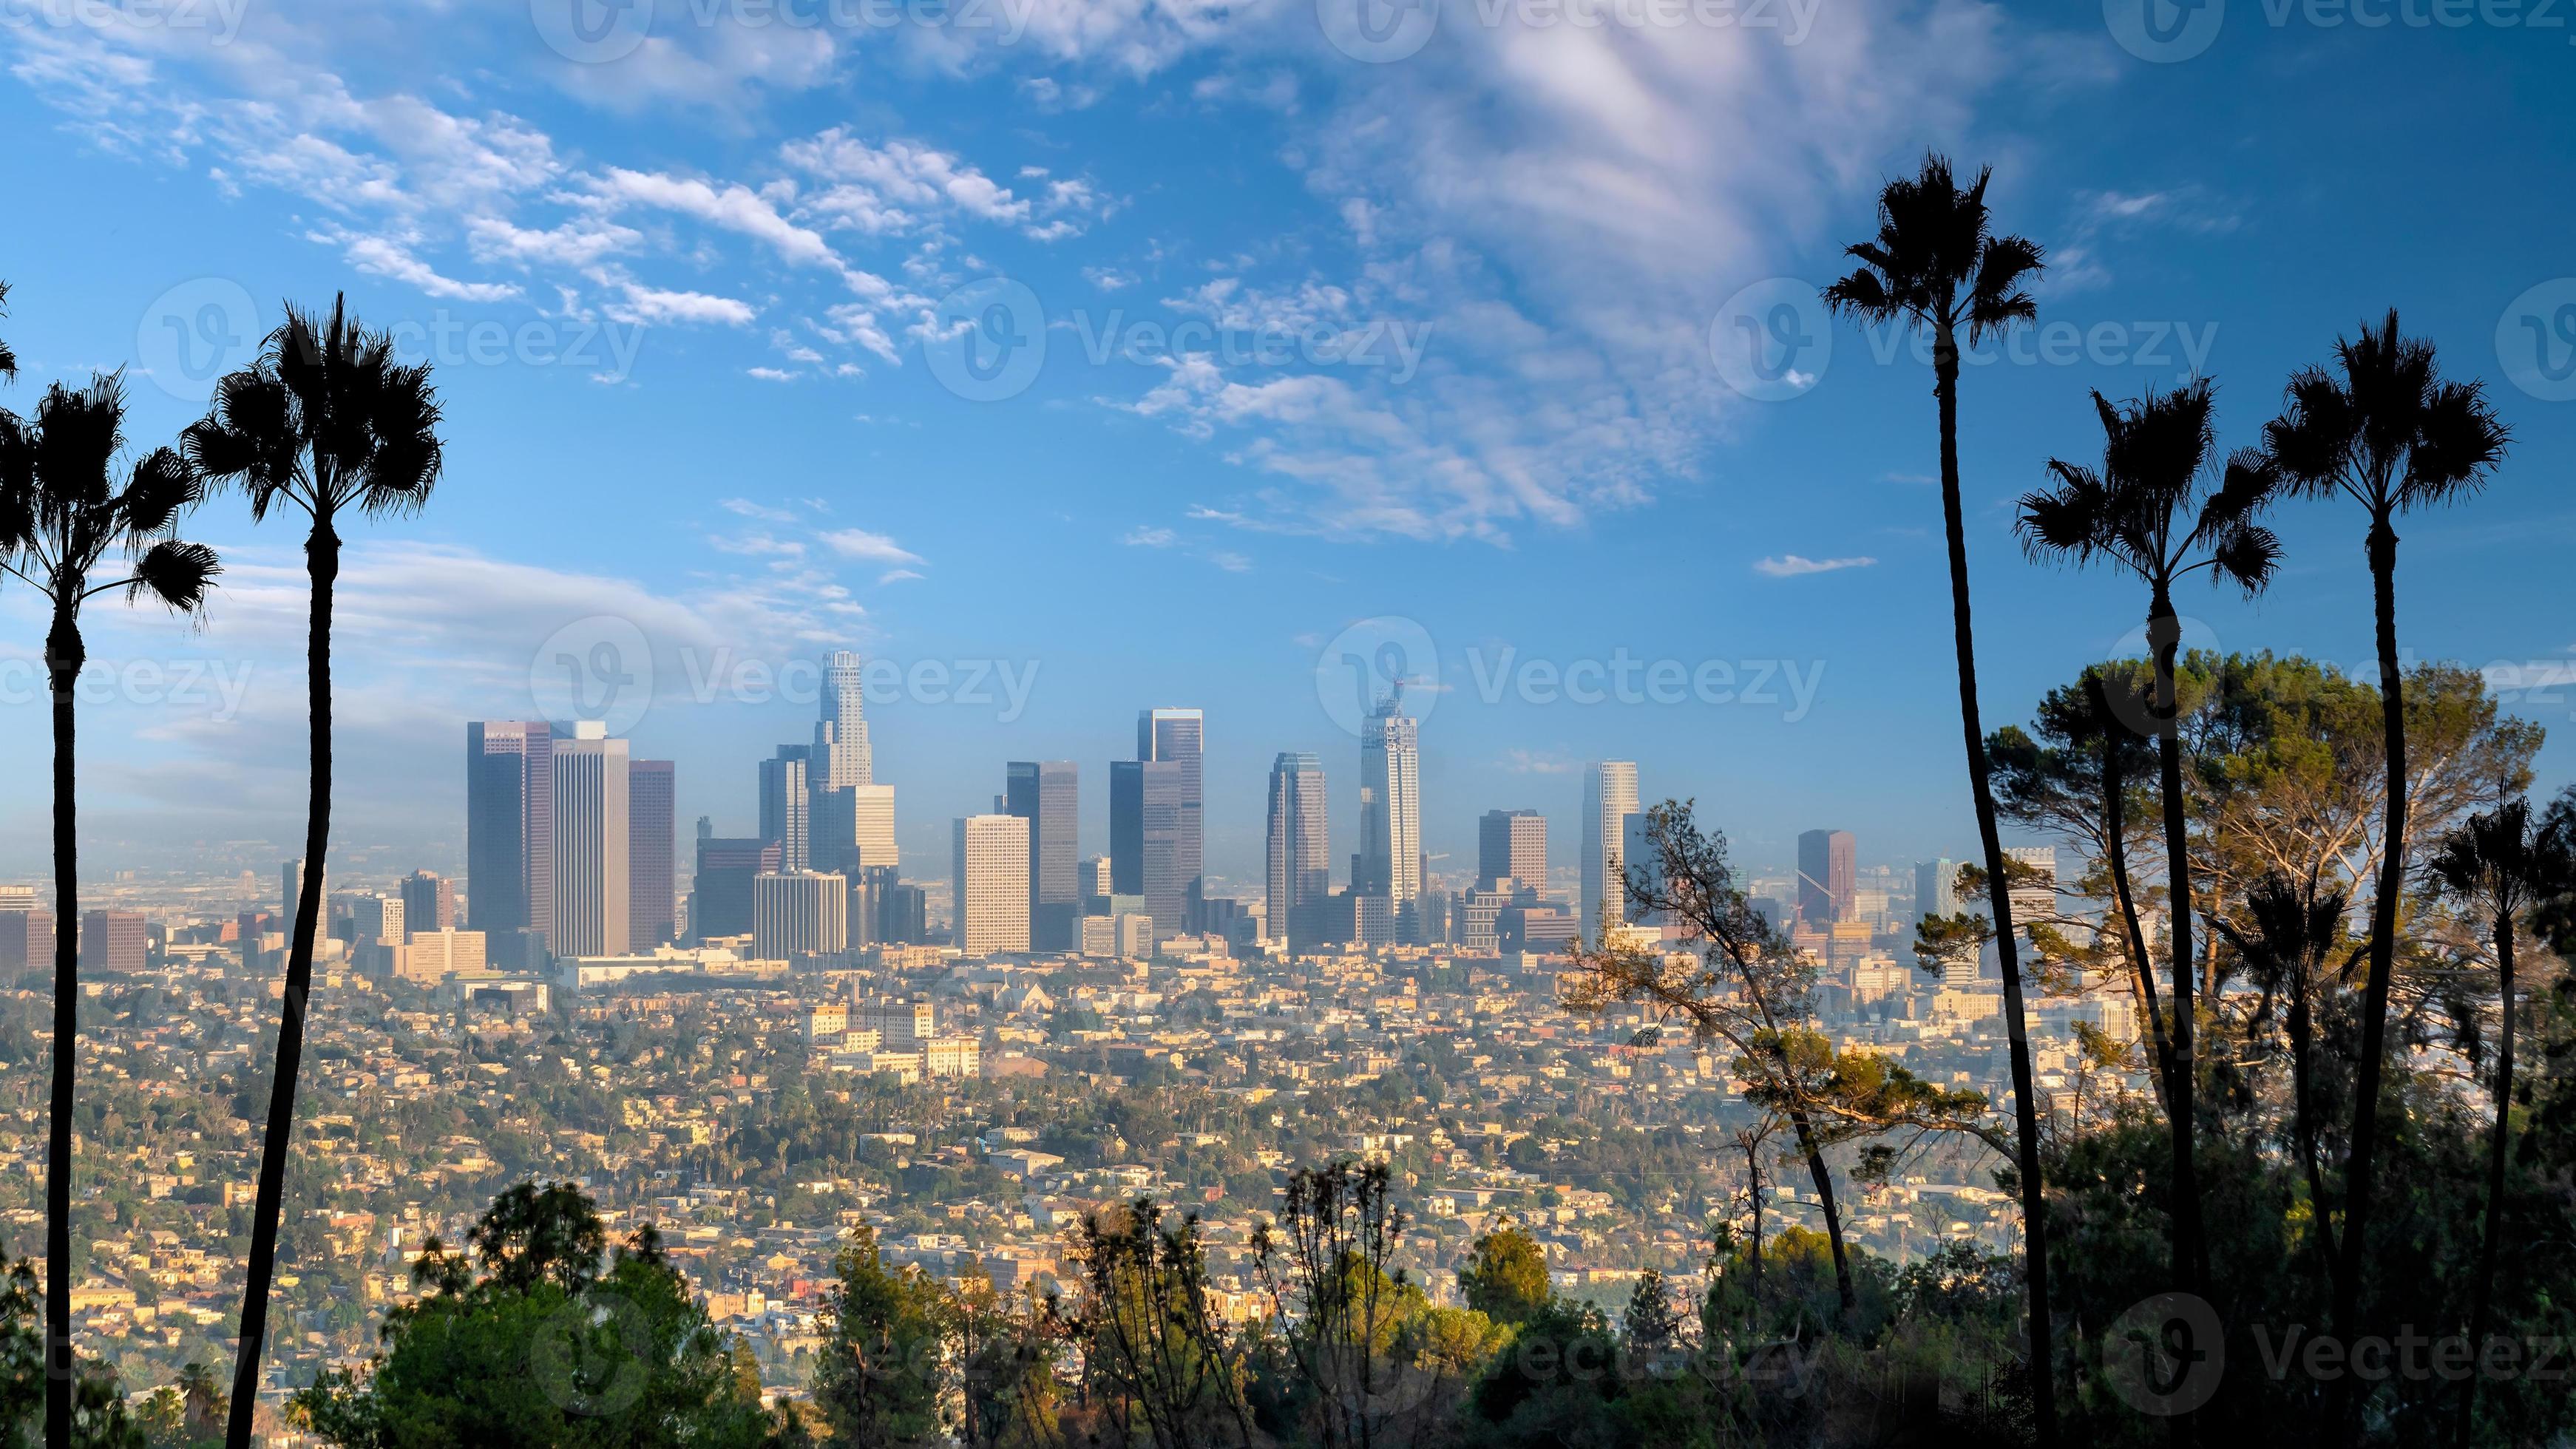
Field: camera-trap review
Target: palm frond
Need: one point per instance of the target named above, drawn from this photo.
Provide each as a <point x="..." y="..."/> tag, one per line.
<point x="177" y="574"/>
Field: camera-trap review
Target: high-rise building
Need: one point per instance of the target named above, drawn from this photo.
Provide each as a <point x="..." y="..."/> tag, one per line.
<point x="1828" y="878"/>
<point x="1936" y="888"/>
<point x="115" y="941"/>
<point x="1300" y="878"/>
<point x="1609" y="798"/>
<point x="2034" y="885"/>
<point x="652" y="902"/>
<point x="720" y="895"/>
<point x="1641" y="863"/>
<point x="1511" y="845"/>
<point x="591" y="872"/>
<point x="1046" y="794"/>
<point x="786" y="806"/>
<point x="799" y="913"/>
<point x="992" y="884"/>
<point x="1390" y="857"/>
<point x="429" y="902"/>
<point x="26" y="935"/>
<point x="1147" y="802"/>
<point x="376" y="920"/>
<point x="1178" y="737"/>
<point x="842" y="755"/>
<point x="509" y="824"/>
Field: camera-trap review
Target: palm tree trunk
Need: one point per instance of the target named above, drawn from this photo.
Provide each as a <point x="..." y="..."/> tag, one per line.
<point x="2116" y="852"/>
<point x="64" y="655"/>
<point x="2303" y="1115"/>
<point x="2383" y="960"/>
<point x="2482" y="1293"/>
<point x="2190" y="1251"/>
<point x="2034" y="1202"/>
<point x="322" y="562"/>
<point x="1824" y="1180"/>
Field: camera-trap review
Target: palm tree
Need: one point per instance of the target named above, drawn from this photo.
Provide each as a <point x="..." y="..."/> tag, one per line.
<point x="326" y="422"/>
<point x="1937" y="263"/>
<point x="2494" y="863"/>
<point x="2288" y="929"/>
<point x="8" y="359"/>
<point x="2390" y="434"/>
<point x="61" y="516"/>
<point x="2156" y="509"/>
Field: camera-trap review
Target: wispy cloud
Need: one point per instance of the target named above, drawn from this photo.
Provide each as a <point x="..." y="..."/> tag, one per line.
<point x="1790" y="565"/>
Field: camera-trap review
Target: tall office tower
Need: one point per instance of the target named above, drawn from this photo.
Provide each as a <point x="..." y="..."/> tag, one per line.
<point x="799" y="913"/>
<point x="376" y="920"/>
<point x="2034" y="895"/>
<point x="1609" y="798"/>
<point x="592" y="883"/>
<point x="785" y="807"/>
<point x="1511" y="845"/>
<point x="1300" y="854"/>
<point x="115" y="941"/>
<point x="1178" y="737"/>
<point x="509" y="824"/>
<point x="842" y="756"/>
<point x="1391" y="814"/>
<point x="1091" y="881"/>
<point x="1936" y="888"/>
<point x="992" y="865"/>
<point x="26" y="934"/>
<point x="653" y="884"/>
<point x="429" y="902"/>
<point x="1046" y="793"/>
<point x="1147" y="800"/>
<point x="1641" y="862"/>
<point x="720" y="898"/>
<point x="1828" y="878"/>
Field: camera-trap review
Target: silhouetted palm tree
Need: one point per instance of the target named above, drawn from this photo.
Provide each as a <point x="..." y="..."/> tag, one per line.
<point x="2288" y="929"/>
<point x="61" y="517"/>
<point x="2391" y="435"/>
<point x="8" y="359"/>
<point x="1937" y="263"/>
<point x="2158" y="509"/>
<point x="326" y="422"/>
<point x="2496" y="865"/>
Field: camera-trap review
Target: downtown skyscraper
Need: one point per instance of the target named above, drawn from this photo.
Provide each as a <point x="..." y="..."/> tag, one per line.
<point x="1609" y="798"/>
<point x="1174" y="875"/>
<point x="509" y="824"/>
<point x="1046" y="794"/>
<point x="1389" y="863"/>
<point x="1828" y="878"/>
<point x="1300" y="875"/>
<point x="1511" y="845"/>
<point x="591" y="841"/>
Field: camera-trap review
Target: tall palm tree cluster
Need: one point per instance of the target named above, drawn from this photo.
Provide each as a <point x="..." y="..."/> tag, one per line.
<point x="325" y="423"/>
<point x="2379" y="427"/>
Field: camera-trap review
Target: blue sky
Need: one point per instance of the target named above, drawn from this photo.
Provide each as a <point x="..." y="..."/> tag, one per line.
<point x="1423" y="335"/>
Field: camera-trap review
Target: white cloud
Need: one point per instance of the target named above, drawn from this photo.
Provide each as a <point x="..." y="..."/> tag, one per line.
<point x="1142" y="537"/>
<point x="1790" y="566"/>
<point x="858" y="543"/>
